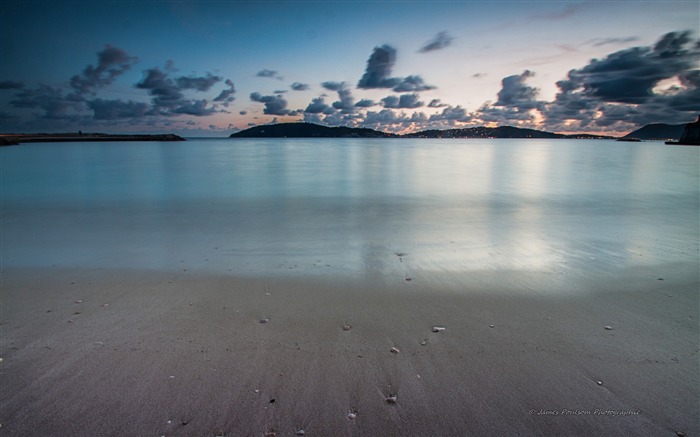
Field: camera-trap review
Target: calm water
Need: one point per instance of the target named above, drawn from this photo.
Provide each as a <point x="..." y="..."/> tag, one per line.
<point x="346" y="206"/>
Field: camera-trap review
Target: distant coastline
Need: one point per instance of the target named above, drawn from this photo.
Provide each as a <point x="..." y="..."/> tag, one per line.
<point x="14" y="139"/>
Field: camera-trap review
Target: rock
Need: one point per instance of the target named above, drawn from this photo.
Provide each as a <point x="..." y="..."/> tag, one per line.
<point x="394" y="350"/>
<point x="265" y="320"/>
<point x="347" y="327"/>
<point x="599" y="382"/>
<point x="608" y="328"/>
<point x="438" y="328"/>
<point x="391" y="399"/>
<point x="79" y="301"/>
<point x="352" y="415"/>
<point x="491" y="326"/>
<point x="300" y="432"/>
<point x="424" y="342"/>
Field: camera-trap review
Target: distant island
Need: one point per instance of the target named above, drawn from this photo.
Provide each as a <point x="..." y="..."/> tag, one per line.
<point x="14" y="139"/>
<point x="657" y="131"/>
<point x="310" y="130"/>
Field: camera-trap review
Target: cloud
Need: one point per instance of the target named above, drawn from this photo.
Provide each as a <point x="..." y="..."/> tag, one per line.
<point x="346" y="104"/>
<point x="516" y="93"/>
<point x="298" y="86"/>
<point x="197" y="108"/>
<point x="164" y="90"/>
<point x="567" y="12"/>
<point x="11" y="85"/>
<point x="365" y="103"/>
<point x="112" y="62"/>
<point x="269" y="73"/>
<point x="452" y="114"/>
<point x="412" y="83"/>
<point x="406" y="101"/>
<point x="54" y="104"/>
<point x="435" y="103"/>
<point x="317" y="106"/>
<point x="198" y="83"/>
<point x="274" y="105"/>
<point x="597" y="42"/>
<point x="440" y="41"/>
<point x="116" y="109"/>
<point x="378" y="69"/>
<point x="333" y="86"/>
<point x="226" y="96"/>
<point x="622" y="85"/>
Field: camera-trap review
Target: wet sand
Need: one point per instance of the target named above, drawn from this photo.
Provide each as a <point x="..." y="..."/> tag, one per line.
<point x="130" y="352"/>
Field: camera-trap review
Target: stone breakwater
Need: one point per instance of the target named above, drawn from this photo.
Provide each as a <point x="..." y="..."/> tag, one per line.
<point x="14" y="139"/>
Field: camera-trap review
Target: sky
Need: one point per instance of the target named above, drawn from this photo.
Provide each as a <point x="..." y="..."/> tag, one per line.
<point x="211" y="68"/>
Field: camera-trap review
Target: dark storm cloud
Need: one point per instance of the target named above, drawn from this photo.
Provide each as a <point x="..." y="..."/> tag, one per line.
<point x="378" y="70"/>
<point x="274" y="105"/>
<point x="622" y="87"/>
<point x="11" y="85"/>
<point x="317" y="106"/>
<point x="226" y="96"/>
<point x="435" y="103"/>
<point x="516" y="93"/>
<point x="298" y="86"/>
<point x="412" y="83"/>
<point x="116" y="109"/>
<point x="405" y="101"/>
<point x="111" y="62"/>
<point x="440" y="41"/>
<point x="198" y="83"/>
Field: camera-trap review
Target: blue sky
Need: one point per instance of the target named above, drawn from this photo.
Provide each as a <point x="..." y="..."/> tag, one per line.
<point x="211" y="68"/>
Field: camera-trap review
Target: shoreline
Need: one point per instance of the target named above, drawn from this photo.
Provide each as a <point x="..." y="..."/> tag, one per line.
<point x="136" y="352"/>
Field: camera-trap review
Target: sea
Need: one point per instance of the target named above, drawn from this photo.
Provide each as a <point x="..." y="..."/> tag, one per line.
<point x="374" y="208"/>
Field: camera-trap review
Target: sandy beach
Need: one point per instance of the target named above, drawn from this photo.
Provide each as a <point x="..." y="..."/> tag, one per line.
<point x="100" y="352"/>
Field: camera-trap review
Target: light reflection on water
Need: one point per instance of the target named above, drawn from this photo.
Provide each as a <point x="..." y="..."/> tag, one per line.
<point x="347" y="206"/>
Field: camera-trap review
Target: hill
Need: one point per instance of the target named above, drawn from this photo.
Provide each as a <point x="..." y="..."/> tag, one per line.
<point x="657" y="131"/>
<point x="485" y="132"/>
<point x="307" y="130"/>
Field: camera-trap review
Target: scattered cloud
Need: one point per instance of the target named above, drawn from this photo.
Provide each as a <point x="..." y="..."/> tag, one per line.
<point x="412" y="83"/>
<point x="269" y="73"/>
<point x="317" y="106"/>
<point x="198" y="83"/>
<point x="298" y="86"/>
<point x="111" y="63"/>
<point x="116" y="109"/>
<point x="406" y="101"/>
<point x="226" y="96"/>
<point x="439" y="41"/>
<point x="378" y="70"/>
<point x="274" y="105"/>
<point x="365" y="103"/>
<point x="435" y="103"/>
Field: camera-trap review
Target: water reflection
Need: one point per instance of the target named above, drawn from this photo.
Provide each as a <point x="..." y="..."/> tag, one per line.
<point x="349" y="206"/>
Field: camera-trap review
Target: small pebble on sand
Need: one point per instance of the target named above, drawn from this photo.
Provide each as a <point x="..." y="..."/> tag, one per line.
<point x="391" y="399"/>
<point x="492" y="326"/>
<point x="300" y="432"/>
<point x="599" y="382"/>
<point x="347" y="327"/>
<point x="438" y="328"/>
<point x="352" y="415"/>
<point x="394" y="350"/>
<point x="608" y="328"/>
<point x="265" y="320"/>
<point x="79" y="301"/>
<point x="424" y="342"/>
